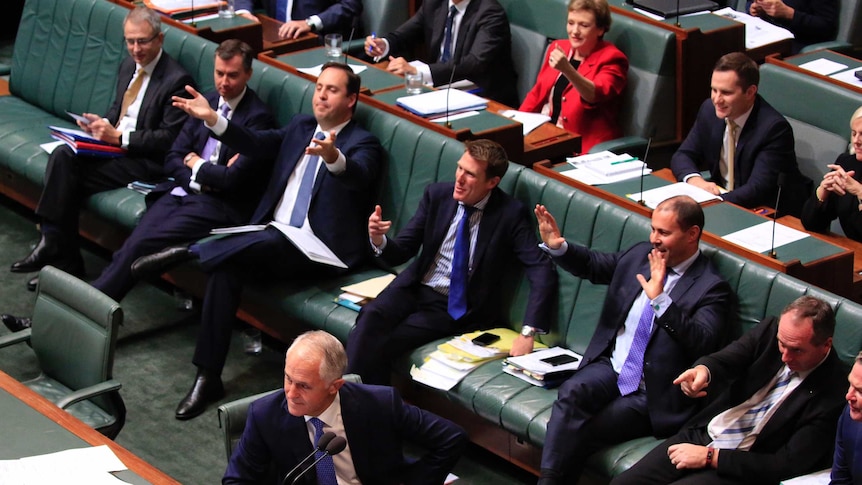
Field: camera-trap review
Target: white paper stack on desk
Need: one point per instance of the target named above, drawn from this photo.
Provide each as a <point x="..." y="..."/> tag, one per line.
<point x="544" y="368"/>
<point x="605" y="168"/>
<point x="441" y="101"/>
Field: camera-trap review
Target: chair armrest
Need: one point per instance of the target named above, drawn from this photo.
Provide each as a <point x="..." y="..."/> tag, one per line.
<point x="89" y="392"/>
<point x="833" y="45"/>
<point x="633" y="145"/>
<point x="231" y="418"/>
<point x="15" y="338"/>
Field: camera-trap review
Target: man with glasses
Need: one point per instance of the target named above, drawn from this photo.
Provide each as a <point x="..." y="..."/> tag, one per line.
<point x="141" y="120"/>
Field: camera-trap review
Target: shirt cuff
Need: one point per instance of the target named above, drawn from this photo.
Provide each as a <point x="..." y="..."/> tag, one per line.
<point x="316" y="22"/>
<point x="425" y="70"/>
<point x="660" y="304"/>
<point x="338" y="166"/>
<point x="378" y="250"/>
<point x="219" y="127"/>
<point x="193" y="184"/>
<point x="125" y="138"/>
<point x="685" y="179"/>
<point x="555" y="252"/>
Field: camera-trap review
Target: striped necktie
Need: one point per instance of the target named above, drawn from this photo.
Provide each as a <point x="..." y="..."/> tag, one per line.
<point x="447" y="35"/>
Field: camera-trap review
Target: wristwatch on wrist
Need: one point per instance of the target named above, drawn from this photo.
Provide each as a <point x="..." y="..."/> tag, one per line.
<point x="188" y="158"/>
<point x="528" y="331"/>
<point x="310" y="23"/>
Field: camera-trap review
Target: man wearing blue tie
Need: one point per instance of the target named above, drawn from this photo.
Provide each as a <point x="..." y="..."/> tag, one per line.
<point x="666" y="305"/>
<point x="324" y="178"/>
<point x="775" y="395"/>
<point x="470" y="233"/>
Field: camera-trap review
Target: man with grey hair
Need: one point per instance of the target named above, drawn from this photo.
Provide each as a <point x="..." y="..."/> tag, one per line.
<point x="283" y="428"/>
<point x="141" y="120"/>
<point x="847" y="460"/>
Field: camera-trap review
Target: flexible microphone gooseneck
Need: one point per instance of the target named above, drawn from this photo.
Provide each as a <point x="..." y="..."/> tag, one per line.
<point x="641" y="201"/>
<point x="349" y="39"/>
<point x="677" y="14"/>
<point x="322" y="443"/>
<point x="451" y="77"/>
<point x="334" y="447"/>
<point x="782" y="178"/>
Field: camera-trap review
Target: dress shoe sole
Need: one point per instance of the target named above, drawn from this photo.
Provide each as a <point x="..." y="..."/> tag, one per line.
<point x="197" y="412"/>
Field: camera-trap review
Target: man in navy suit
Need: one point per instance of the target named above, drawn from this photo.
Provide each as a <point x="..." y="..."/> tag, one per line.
<point x="422" y="303"/>
<point x="141" y="120"/>
<point x="810" y="21"/>
<point x="281" y="429"/>
<point x="478" y="47"/>
<point x="303" y="16"/>
<point x="324" y="178"/>
<point x="763" y="152"/>
<point x="847" y="460"/>
<point x="666" y="305"/>
<point x="775" y="395"/>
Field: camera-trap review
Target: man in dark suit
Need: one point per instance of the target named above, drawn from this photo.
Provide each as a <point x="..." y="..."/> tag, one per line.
<point x="211" y="186"/>
<point x="470" y="38"/>
<point x="141" y="120"/>
<point x="318" y="16"/>
<point x="763" y="155"/>
<point x="432" y="298"/>
<point x="282" y="428"/>
<point x="775" y="396"/>
<point x="810" y="21"/>
<point x="650" y="330"/>
<point x="847" y="460"/>
<point x="324" y="178"/>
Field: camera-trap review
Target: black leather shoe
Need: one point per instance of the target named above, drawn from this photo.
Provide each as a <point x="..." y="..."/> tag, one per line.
<point x="46" y="252"/>
<point x="158" y="263"/>
<point x="32" y="283"/>
<point x="206" y="389"/>
<point x="74" y="265"/>
<point x="16" y="324"/>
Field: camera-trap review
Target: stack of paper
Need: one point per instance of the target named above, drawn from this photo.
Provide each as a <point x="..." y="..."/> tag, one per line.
<point x="356" y="295"/>
<point x="605" y="168"/>
<point x="453" y="360"/>
<point x="441" y="101"/>
<point x="544" y="368"/>
<point x="179" y="9"/>
<point x="758" y="32"/>
<point x="656" y="196"/>
<point x="84" y="144"/>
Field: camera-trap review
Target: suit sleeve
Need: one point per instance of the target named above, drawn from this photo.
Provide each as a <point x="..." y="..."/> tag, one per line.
<point x="840" y="467"/>
<point x="816" y="23"/>
<point x="540" y="272"/>
<point x="363" y="158"/>
<point x="250" y="461"/>
<point x="408" y="241"/>
<point x="610" y="80"/>
<point x="690" y="154"/>
<point x="407" y="35"/>
<point x="444" y="440"/>
<point x="340" y="15"/>
<point x="774" y="149"/>
<point x="731" y="361"/>
<point x="593" y="265"/>
<point x="151" y="140"/>
<point x="818" y="216"/>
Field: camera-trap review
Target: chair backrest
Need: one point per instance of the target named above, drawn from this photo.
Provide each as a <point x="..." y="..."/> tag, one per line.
<point x="850" y="22"/>
<point x="528" y="51"/>
<point x="74" y="333"/>
<point x="383" y="16"/>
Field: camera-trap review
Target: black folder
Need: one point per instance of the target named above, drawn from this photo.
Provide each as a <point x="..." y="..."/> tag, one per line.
<point x="668" y="8"/>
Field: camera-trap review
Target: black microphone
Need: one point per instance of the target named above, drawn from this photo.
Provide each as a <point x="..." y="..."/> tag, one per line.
<point x="322" y="443"/>
<point x="643" y="168"/>
<point x="336" y="446"/>
<point x="782" y="179"/>
<point x="677" y="14"/>
<point x="349" y="39"/>
<point x="451" y="77"/>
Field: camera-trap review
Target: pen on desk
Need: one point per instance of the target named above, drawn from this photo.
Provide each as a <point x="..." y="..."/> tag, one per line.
<point x="627" y="160"/>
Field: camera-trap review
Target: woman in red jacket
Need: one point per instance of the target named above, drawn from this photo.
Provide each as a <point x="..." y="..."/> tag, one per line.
<point x="582" y="78"/>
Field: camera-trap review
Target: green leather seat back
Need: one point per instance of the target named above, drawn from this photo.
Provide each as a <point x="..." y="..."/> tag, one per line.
<point x="196" y="54"/>
<point x="286" y="94"/>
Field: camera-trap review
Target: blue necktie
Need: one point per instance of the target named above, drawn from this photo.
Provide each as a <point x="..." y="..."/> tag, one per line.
<point x="447" y="35"/>
<point x="212" y="143"/>
<point x="303" y="197"/>
<point x="629" y="379"/>
<point x="281" y="10"/>
<point x="460" y="266"/>
<point x="326" y="467"/>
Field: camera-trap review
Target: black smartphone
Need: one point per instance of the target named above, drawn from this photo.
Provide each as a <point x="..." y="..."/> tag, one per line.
<point x="485" y="339"/>
<point x="858" y="74"/>
<point x="559" y="359"/>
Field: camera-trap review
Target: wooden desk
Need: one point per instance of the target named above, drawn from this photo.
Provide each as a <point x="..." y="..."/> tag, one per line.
<point x="700" y="41"/>
<point x="792" y="63"/>
<point x="4" y="87"/>
<point x="816" y="261"/>
<point x="272" y="42"/>
<point x="32" y="425"/>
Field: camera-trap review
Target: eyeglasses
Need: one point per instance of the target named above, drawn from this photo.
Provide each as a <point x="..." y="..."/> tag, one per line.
<point x="141" y="42"/>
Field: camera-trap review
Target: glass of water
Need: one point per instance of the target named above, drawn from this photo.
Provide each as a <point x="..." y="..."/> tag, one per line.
<point x="413" y="82"/>
<point x="226" y="9"/>
<point x="333" y="46"/>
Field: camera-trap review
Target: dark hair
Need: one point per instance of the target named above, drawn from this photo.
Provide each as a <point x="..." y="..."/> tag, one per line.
<point x="491" y="153"/>
<point x="742" y="65"/>
<point x="354" y="82"/>
<point x="231" y="48"/>
<point x="688" y="212"/>
<point x="821" y="314"/>
<point x="599" y="8"/>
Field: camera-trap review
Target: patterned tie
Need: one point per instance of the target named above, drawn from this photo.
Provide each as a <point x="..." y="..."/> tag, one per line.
<point x="303" y="197"/>
<point x="131" y="94"/>
<point x="629" y="379"/>
<point x="447" y="35"/>
<point x="730" y="151"/>
<point x="212" y="143"/>
<point x="734" y="435"/>
<point x="325" y="467"/>
<point x="460" y="266"/>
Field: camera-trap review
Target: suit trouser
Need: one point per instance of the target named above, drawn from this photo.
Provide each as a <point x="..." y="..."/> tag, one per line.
<point x="589" y="414"/>
<point x="70" y="178"/>
<point x="170" y="220"/>
<point x="397" y="321"/>
<point x="232" y="261"/>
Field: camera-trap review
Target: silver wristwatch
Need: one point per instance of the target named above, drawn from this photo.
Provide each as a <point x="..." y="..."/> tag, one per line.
<point x="528" y="331"/>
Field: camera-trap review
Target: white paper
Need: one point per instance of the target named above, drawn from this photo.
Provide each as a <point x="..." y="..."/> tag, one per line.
<point x="441" y="101"/>
<point x="238" y="229"/>
<point x="758" y="238"/>
<point x="758" y="32"/>
<point x="475" y="350"/>
<point x="823" y="66"/>
<point x="444" y="359"/>
<point x="78" y="117"/>
<point x="817" y="478"/>
<point x="648" y="14"/>
<point x="309" y="244"/>
<point x="201" y="18"/>
<point x="848" y="77"/>
<point x="171" y="5"/>
<point x="315" y="70"/>
<point x="86" y="466"/>
<point x="453" y="117"/>
<point x="592" y="178"/>
<point x="431" y="379"/>
<point x="656" y="196"/>
<point x="49" y="148"/>
<point x="533" y="361"/>
<point x="450" y="478"/>
<point x="531" y="121"/>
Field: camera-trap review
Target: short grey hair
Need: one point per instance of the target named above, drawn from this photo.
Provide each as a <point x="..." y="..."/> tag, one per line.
<point x="333" y="358"/>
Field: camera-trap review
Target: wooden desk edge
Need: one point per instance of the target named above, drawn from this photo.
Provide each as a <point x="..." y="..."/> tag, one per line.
<point x="75" y="426"/>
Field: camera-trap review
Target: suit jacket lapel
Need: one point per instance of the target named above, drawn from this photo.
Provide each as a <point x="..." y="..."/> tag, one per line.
<point x="352" y="416"/>
<point x="462" y="31"/>
<point x="438" y="32"/>
<point x="150" y="93"/>
<point x="487" y="227"/>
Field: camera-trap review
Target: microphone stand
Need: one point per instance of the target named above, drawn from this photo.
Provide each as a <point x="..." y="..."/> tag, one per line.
<point x="677" y="14"/>
<point x="194" y="23"/>
<point x="772" y="253"/>
<point x="641" y="201"/>
<point x="451" y="77"/>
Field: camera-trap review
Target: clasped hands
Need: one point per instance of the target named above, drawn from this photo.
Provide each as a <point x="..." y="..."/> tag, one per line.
<point x="840" y="182"/>
<point x="772" y="8"/>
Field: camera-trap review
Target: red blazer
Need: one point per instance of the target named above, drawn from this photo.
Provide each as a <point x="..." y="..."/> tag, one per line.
<point x="596" y="122"/>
